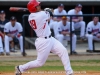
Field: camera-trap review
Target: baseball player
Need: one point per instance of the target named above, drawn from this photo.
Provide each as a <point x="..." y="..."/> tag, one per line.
<point x="3" y="21"/>
<point x="64" y="33"/>
<point x="93" y="32"/>
<point x="45" y="43"/>
<point x="59" y="11"/>
<point x="13" y="29"/>
<point x="78" y="21"/>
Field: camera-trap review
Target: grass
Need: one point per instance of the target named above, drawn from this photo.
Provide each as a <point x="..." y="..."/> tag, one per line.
<point x="54" y="65"/>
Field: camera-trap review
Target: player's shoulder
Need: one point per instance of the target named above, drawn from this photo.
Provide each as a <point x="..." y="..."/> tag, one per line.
<point x="56" y="9"/>
<point x="90" y="24"/>
<point x="68" y="22"/>
<point x="18" y="23"/>
<point x="7" y="24"/>
<point x="71" y="10"/>
<point x="99" y="24"/>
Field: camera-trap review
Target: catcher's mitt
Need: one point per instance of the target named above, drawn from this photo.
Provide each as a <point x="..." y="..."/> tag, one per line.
<point x="15" y="40"/>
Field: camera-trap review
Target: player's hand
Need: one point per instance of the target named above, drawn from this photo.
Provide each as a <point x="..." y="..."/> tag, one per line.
<point x="98" y="35"/>
<point x="65" y="33"/>
<point x="75" y="20"/>
<point x="18" y="35"/>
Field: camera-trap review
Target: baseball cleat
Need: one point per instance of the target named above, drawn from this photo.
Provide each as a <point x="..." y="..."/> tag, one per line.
<point x="17" y="71"/>
<point x="7" y="54"/>
<point x="70" y="74"/>
<point x="74" y="52"/>
<point x="90" y="51"/>
<point x="2" y="53"/>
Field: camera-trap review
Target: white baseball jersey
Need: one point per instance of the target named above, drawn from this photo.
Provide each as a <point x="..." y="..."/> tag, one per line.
<point x="54" y="26"/>
<point x="66" y="27"/>
<point x="72" y="12"/>
<point x="93" y="28"/>
<point x="38" y="21"/>
<point x="56" y="12"/>
<point x="13" y="30"/>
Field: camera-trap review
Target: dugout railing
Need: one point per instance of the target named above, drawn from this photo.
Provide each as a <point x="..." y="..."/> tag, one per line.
<point x="84" y="15"/>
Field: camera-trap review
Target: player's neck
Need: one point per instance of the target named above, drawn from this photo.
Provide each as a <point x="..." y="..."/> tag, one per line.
<point x="2" y="19"/>
<point x="95" y="23"/>
<point x="76" y="11"/>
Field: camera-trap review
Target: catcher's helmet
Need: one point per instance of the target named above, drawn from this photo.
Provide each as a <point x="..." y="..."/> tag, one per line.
<point x="32" y="5"/>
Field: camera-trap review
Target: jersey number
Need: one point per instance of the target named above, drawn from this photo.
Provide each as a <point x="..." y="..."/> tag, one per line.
<point x="33" y="24"/>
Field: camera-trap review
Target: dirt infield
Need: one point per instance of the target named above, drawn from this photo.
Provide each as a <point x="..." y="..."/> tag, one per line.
<point x="76" y="73"/>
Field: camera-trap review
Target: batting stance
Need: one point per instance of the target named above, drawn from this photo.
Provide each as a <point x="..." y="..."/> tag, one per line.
<point x="13" y="29"/>
<point x="93" y="32"/>
<point x="45" y="42"/>
<point x="78" y="21"/>
<point x="64" y="33"/>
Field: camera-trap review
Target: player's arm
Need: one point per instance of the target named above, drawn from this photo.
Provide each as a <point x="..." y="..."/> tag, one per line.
<point x="6" y="30"/>
<point x="20" y="30"/>
<point x="81" y="17"/>
<point x="89" y="29"/>
<point x="63" y="32"/>
<point x="73" y="30"/>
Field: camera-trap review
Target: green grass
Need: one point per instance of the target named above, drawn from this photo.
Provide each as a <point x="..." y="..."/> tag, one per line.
<point x="54" y="65"/>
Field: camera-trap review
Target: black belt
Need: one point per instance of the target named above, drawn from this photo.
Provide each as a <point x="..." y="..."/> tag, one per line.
<point x="47" y="37"/>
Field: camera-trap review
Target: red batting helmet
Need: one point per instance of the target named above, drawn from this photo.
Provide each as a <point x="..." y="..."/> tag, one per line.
<point x="32" y="5"/>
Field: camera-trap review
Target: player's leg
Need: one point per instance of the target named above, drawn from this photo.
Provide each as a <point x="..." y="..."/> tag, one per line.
<point x="82" y="28"/>
<point x="43" y="47"/>
<point x="74" y="39"/>
<point x="80" y="25"/>
<point x="21" y="43"/>
<point x="60" y="38"/>
<point x="61" y="51"/>
<point x="1" y="46"/>
<point x="6" y="41"/>
<point x="90" y="41"/>
<point x="96" y="38"/>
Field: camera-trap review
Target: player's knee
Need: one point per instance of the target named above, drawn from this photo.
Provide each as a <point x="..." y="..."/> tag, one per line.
<point x="0" y="38"/>
<point x="89" y="36"/>
<point x="74" y="37"/>
<point x="6" y="37"/>
<point x="59" y="36"/>
<point x="21" y="38"/>
<point x="82" y="23"/>
<point x="40" y="63"/>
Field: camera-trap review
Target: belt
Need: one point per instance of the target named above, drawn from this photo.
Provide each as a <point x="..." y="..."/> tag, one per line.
<point x="46" y="37"/>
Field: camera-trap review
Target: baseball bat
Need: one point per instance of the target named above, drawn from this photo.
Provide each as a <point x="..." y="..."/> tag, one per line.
<point x="17" y="9"/>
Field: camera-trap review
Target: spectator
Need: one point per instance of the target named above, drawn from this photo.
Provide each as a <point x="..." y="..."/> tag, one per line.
<point x="59" y="11"/>
<point x="3" y="21"/>
<point x="78" y="20"/>
<point x="93" y="32"/>
<point x="64" y="33"/>
<point x="13" y="31"/>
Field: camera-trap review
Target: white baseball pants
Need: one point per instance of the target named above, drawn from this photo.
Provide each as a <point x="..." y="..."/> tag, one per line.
<point x="8" y="39"/>
<point x="80" y="25"/>
<point x="43" y="47"/>
<point x="1" y="45"/>
<point x="61" y="37"/>
<point x="90" y="38"/>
